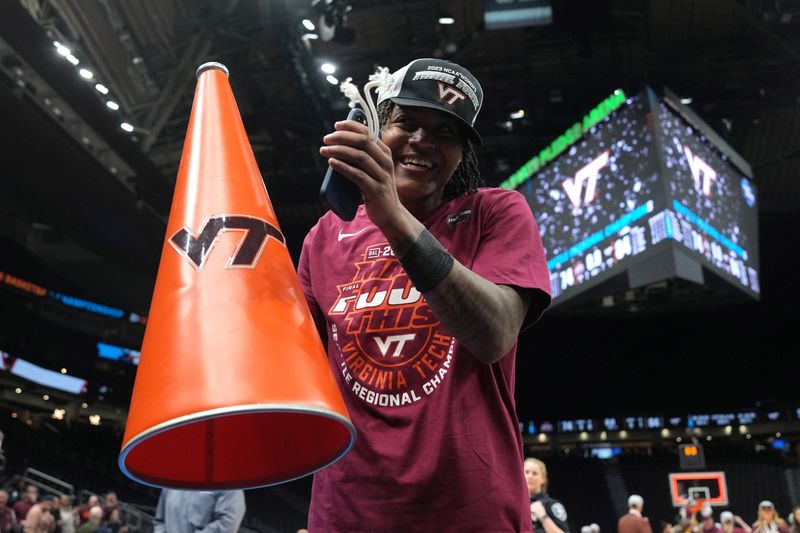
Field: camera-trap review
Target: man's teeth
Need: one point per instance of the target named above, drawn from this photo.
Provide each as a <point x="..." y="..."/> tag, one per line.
<point x="418" y="162"/>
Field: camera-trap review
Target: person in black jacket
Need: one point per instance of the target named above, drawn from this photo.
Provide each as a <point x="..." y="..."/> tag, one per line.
<point x="548" y="514"/>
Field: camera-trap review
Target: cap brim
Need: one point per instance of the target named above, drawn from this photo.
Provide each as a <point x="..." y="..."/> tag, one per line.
<point x="413" y="102"/>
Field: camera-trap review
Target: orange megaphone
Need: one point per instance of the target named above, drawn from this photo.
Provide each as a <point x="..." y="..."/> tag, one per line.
<point x="233" y="388"/>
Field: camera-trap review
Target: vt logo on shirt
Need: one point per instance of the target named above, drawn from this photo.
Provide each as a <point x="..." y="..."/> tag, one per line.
<point x="392" y="352"/>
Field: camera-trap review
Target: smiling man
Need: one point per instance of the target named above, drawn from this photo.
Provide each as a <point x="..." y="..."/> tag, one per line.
<point x="420" y="299"/>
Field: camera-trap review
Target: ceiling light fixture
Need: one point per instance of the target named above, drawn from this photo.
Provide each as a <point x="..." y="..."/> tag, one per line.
<point x="61" y="49"/>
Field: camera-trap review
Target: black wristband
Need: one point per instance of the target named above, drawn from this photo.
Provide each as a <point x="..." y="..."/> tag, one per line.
<point x="427" y="263"/>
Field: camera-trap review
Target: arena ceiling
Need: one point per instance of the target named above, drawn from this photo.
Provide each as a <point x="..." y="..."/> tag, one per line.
<point x="83" y="203"/>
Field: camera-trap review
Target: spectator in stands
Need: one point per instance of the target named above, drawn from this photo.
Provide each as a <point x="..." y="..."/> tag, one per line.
<point x="729" y="522"/>
<point x="687" y="518"/>
<point x="94" y="521"/>
<point x="83" y="510"/>
<point x="8" y="520"/>
<point x="183" y="511"/>
<point x="594" y="528"/>
<point x="109" y="504"/>
<point x="794" y="519"/>
<point x="547" y="513"/>
<point x="707" y="524"/>
<point x="114" y="524"/>
<point x="586" y="529"/>
<point x="15" y="488"/>
<point x="768" y="519"/>
<point x="39" y="518"/>
<point x="24" y="504"/>
<point x="634" y="521"/>
<point x="66" y="515"/>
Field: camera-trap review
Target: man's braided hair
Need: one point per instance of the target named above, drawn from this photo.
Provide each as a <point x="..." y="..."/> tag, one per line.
<point x="466" y="178"/>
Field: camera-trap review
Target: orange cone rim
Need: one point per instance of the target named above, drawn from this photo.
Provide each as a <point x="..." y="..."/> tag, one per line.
<point x="227" y="412"/>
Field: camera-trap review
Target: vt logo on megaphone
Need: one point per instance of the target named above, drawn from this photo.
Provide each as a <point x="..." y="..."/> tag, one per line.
<point x="197" y="248"/>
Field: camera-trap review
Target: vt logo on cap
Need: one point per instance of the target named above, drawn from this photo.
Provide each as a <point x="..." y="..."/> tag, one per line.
<point x="438" y="84"/>
<point x="449" y="95"/>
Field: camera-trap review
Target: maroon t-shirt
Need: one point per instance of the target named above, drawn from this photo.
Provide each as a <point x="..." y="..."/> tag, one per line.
<point x="438" y="447"/>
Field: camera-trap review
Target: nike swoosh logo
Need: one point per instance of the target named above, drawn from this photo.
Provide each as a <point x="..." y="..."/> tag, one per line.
<point x="346" y="235"/>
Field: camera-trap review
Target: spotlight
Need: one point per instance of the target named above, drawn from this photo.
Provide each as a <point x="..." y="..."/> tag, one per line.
<point x="332" y="79"/>
<point x="307" y="24"/>
<point x="86" y="74"/>
<point x="447" y="20"/>
<point x="328" y="68"/>
<point x="112" y="105"/>
<point x="102" y="89"/>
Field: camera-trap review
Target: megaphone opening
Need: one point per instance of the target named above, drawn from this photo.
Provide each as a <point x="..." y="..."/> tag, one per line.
<point x="237" y="450"/>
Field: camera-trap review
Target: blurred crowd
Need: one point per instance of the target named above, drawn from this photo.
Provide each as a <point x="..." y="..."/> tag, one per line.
<point x="699" y="517"/>
<point x="24" y="510"/>
<point x="549" y="515"/>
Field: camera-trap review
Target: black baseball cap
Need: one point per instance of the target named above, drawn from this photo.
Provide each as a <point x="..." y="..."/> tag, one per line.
<point x="438" y="84"/>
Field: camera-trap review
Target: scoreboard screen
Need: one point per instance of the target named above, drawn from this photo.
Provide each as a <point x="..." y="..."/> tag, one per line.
<point x="714" y="203"/>
<point x="634" y="188"/>
<point x="593" y="202"/>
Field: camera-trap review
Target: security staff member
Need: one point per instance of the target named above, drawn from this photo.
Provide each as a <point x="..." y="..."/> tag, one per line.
<point x="548" y="514"/>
